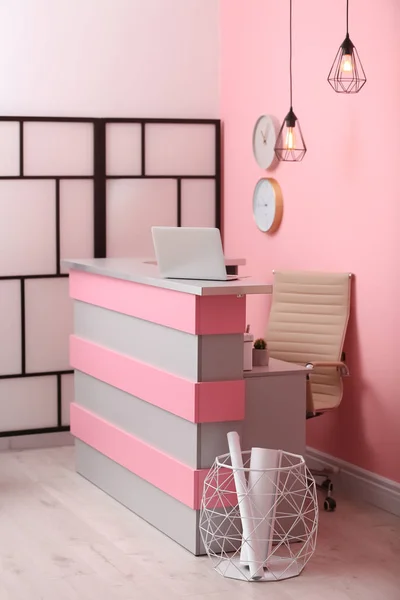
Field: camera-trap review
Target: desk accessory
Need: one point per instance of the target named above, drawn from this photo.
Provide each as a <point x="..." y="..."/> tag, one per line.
<point x="263" y="489"/>
<point x="260" y="353"/>
<point x="259" y="514"/>
<point x="248" y="350"/>
<point x="253" y="555"/>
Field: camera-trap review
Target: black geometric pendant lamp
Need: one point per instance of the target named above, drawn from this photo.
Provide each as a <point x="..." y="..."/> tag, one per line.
<point x="347" y="74"/>
<point x="290" y="146"/>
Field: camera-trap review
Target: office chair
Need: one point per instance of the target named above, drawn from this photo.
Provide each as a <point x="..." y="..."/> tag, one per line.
<point x="307" y="325"/>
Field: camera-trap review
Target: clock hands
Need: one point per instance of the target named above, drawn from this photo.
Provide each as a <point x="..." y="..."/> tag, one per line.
<point x="265" y="135"/>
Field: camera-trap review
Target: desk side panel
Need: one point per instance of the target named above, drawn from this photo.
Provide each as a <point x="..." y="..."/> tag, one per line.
<point x="163" y="471"/>
<point x="202" y="315"/>
<point x="207" y="401"/>
<point x="196" y="445"/>
<point x="172" y="435"/>
<point x="164" y="512"/>
<point x="198" y="358"/>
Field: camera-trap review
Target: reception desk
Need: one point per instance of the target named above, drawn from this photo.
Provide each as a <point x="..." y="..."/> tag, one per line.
<point x="159" y="382"/>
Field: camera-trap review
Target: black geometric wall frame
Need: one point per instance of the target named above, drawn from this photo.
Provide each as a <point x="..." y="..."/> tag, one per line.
<point x="98" y="176"/>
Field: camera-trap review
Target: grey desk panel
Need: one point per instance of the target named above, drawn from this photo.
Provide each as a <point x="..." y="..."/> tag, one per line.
<point x="170" y="516"/>
<point x="220" y="357"/>
<point x="276" y="418"/>
<point x="159" y="428"/>
<point x="196" y="445"/>
<point x="165" y="348"/>
<point x="276" y="413"/>
<point x="213" y="441"/>
<point x="198" y="358"/>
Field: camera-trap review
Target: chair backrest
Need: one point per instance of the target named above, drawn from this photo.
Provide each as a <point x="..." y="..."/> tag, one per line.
<point x="308" y="322"/>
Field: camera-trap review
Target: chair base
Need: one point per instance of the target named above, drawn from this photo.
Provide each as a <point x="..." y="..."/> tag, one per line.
<point x="312" y="415"/>
<point x="326" y="486"/>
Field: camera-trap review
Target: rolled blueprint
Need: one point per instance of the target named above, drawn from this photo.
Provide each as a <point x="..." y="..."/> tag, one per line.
<point x="254" y="560"/>
<point x="262" y="490"/>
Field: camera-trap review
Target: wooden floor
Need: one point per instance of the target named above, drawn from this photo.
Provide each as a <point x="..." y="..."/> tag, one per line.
<point x="62" y="538"/>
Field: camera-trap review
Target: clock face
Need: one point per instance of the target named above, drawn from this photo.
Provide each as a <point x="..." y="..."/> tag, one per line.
<point x="267" y="205"/>
<point x="264" y="139"/>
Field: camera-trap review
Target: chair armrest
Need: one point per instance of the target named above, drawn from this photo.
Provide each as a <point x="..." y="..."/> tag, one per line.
<point x="341" y="366"/>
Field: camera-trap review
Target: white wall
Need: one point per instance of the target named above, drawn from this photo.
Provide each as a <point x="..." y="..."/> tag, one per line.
<point x="127" y="58"/>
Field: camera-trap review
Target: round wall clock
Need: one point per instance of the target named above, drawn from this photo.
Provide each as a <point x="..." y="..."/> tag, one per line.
<point x="267" y="205"/>
<point x="264" y="139"/>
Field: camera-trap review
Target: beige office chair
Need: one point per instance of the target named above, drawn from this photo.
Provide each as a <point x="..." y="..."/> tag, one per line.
<point x="307" y="325"/>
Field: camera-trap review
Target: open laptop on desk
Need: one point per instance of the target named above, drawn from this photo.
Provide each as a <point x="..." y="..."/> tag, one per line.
<point x="190" y="253"/>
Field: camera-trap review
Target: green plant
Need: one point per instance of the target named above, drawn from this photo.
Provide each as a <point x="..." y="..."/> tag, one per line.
<point x="260" y="344"/>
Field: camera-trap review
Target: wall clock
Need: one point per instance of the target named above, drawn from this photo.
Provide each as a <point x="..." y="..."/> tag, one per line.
<point x="267" y="204"/>
<point x="264" y="139"/>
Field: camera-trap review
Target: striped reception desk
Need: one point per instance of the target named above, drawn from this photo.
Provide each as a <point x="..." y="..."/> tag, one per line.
<point x="158" y="384"/>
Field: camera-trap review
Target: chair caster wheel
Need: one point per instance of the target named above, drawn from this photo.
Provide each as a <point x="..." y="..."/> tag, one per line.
<point x="329" y="504"/>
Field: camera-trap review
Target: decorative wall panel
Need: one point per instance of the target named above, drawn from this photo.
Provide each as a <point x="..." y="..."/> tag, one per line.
<point x="78" y="188"/>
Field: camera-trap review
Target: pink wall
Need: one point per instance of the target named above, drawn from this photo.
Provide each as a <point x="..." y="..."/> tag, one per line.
<point x="342" y="207"/>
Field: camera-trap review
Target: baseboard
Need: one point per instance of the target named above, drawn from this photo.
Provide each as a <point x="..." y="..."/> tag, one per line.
<point x="359" y="483"/>
<point x="36" y="441"/>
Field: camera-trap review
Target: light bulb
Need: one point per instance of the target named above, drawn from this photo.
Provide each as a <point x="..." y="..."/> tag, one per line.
<point x="347" y="64"/>
<point x="290" y="142"/>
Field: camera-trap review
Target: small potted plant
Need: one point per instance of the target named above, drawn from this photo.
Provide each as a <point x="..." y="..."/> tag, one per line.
<point x="260" y="353"/>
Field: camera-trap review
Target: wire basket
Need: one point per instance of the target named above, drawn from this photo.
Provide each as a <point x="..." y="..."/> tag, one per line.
<point x="259" y="524"/>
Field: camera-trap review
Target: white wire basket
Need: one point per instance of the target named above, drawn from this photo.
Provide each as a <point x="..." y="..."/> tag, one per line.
<point x="259" y="524"/>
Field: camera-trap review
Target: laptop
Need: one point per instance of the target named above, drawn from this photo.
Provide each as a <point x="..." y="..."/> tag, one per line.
<point x="190" y="253"/>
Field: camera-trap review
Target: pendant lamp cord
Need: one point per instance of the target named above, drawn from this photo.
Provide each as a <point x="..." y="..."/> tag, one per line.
<point x="347" y="18"/>
<point x="290" y="54"/>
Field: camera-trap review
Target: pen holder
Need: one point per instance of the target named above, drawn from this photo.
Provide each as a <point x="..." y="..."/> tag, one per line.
<point x="247" y="352"/>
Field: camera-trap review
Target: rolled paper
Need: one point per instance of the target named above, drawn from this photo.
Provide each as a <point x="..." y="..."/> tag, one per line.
<point x="254" y="560"/>
<point x="262" y="490"/>
<point x="272" y="522"/>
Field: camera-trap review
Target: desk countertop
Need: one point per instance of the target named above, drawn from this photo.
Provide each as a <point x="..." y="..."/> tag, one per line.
<point x="145" y="271"/>
<point x="275" y="367"/>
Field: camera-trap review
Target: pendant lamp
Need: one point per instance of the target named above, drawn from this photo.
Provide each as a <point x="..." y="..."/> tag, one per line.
<point x="347" y="74"/>
<point x="290" y="146"/>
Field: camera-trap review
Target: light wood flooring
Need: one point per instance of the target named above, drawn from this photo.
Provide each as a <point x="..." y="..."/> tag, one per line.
<point x="63" y="539"/>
